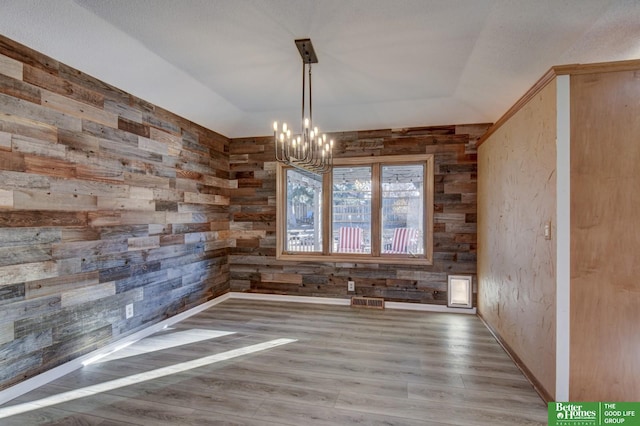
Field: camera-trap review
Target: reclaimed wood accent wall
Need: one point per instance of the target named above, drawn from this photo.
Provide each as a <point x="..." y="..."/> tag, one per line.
<point x="254" y="268"/>
<point x="105" y="200"/>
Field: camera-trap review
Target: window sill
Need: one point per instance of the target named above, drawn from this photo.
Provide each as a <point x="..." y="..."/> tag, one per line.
<point x="355" y="258"/>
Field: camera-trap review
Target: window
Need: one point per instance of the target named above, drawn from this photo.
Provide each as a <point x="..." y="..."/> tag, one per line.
<point x="402" y="209"/>
<point x="304" y="212"/>
<point x="351" y="215"/>
<point x="378" y="210"/>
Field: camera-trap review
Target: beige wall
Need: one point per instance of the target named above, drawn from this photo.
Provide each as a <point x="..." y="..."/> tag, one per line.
<point x="516" y="265"/>
<point x="605" y="237"/>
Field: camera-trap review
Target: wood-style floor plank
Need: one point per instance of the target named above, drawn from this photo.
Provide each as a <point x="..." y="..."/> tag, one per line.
<point x="347" y="366"/>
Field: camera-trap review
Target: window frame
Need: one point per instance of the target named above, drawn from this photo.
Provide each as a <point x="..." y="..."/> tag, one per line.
<point x="375" y="256"/>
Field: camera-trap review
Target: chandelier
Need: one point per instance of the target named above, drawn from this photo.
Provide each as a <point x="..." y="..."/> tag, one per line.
<point x="307" y="150"/>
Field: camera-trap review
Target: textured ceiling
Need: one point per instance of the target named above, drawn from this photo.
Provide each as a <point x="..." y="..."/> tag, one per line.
<point x="233" y="67"/>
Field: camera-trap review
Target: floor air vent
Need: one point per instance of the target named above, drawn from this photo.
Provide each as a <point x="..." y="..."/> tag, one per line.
<point x="367" y="302"/>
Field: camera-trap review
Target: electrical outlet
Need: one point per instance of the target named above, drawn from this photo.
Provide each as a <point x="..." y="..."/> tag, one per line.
<point x="351" y="286"/>
<point x="129" y="310"/>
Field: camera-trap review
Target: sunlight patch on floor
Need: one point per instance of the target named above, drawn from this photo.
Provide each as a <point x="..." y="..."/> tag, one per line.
<point x="138" y="378"/>
<point x="158" y="343"/>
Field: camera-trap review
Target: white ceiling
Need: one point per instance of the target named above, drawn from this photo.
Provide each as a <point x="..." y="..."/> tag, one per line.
<point x="232" y="65"/>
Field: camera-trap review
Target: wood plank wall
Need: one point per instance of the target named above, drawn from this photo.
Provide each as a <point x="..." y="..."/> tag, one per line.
<point x="105" y="200"/>
<point x="253" y="265"/>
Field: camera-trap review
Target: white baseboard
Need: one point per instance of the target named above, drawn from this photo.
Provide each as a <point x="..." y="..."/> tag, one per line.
<point x="68" y="367"/>
<point x="346" y="302"/>
<point x="288" y="298"/>
<point x="61" y="370"/>
<point x="422" y="307"/>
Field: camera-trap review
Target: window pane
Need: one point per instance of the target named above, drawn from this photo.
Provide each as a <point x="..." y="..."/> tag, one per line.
<point x="304" y="211"/>
<point x="402" y="209"/>
<point x="351" y="229"/>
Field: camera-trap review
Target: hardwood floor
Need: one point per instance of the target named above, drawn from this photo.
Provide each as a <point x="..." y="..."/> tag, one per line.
<point x="346" y="366"/>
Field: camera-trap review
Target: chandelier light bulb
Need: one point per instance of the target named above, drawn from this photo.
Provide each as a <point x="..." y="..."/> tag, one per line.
<point x="284" y="127"/>
<point x="275" y="126"/>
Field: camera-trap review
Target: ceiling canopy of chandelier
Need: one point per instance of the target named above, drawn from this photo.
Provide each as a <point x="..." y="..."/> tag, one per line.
<point x="308" y="150"/>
